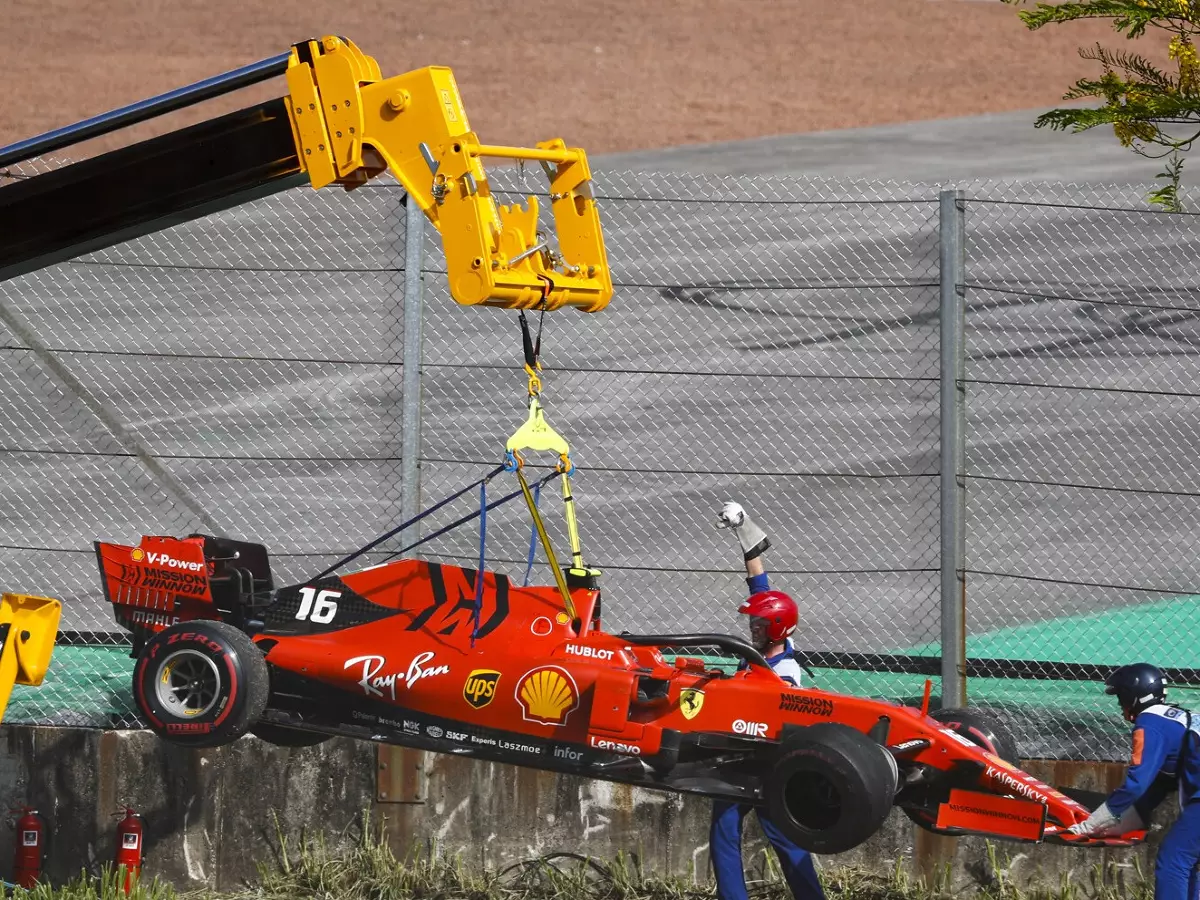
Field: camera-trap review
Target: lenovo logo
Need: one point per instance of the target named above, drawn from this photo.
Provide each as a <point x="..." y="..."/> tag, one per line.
<point x="614" y="746"/>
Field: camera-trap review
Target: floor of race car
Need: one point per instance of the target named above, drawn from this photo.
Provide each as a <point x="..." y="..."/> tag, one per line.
<point x="87" y="686"/>
<point x="99" y="690"/>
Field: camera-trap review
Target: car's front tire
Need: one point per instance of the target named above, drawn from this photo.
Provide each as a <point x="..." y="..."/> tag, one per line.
<point x="830" y="787"/>
<point x="201" y="684"/>
<point x="979" y="728"/>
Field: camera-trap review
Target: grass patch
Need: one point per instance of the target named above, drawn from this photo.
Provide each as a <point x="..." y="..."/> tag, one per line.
<point x="309" y="869"/>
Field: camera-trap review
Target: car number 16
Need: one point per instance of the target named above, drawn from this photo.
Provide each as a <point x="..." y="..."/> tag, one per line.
<point x="319" y="607"/>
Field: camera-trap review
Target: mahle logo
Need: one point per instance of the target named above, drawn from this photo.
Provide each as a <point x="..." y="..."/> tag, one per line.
<point x="480" y="687"/>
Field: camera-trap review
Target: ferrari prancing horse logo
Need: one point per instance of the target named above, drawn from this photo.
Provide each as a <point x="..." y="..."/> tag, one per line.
<point x="690" y="702"/>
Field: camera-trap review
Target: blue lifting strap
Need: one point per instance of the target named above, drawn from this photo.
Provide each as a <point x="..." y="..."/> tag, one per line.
<point x="482" y="551"/>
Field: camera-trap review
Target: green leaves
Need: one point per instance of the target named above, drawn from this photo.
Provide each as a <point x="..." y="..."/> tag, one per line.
<point x="1145" y="105"/>
<point x="1130" y="17"/>
<point x="1167" y="196"/>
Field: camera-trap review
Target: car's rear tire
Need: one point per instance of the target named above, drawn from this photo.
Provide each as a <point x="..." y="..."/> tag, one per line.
<point x="282" y="736"/>
<point x="201" y="684"/>
<point x="979" y="728"/>
<point x="830" y="787"/>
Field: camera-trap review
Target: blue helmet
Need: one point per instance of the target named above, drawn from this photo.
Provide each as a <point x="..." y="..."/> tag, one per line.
<point x="1136" y="686"/>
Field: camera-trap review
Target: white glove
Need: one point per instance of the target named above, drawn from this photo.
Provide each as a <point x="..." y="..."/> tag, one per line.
<point x="731" y="515"/>
<point x="1103" y="822"/>
<point x="752" y="538"/>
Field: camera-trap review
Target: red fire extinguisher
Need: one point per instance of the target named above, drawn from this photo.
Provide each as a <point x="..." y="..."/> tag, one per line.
<point x="31" y="846"/>
<point x="130" y="833"/>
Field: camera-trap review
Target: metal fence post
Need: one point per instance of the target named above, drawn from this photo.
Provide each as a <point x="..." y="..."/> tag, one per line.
<point x="953" y="512"/>
<point x="410" y="415"/>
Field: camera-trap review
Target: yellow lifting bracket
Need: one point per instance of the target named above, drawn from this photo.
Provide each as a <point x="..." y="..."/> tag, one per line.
<point x="536" y="434"/>
<point x="351" y="125"/>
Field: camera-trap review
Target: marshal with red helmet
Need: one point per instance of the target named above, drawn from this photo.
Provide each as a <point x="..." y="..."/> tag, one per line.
<point x="776" y="610"/>
<point x="468" y="662"/>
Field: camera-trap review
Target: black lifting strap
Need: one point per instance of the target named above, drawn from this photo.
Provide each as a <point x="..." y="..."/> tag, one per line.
<point x="399" y="528"/>
<point x="532" y="348"/>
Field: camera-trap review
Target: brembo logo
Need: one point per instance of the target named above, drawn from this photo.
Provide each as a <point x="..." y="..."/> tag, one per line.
<point x="168" y="562"/>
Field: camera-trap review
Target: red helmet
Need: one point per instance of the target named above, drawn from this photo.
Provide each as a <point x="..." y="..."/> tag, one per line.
<point x="777" y="608"/>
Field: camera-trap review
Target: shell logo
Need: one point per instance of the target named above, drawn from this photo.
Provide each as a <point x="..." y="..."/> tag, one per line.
<point x="137" y="554"/>
<point x="547" y="695"/>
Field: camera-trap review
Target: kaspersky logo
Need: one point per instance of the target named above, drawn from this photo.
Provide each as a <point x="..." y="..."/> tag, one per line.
<point x="480" y="687"/>
<point x="547" y="695"/>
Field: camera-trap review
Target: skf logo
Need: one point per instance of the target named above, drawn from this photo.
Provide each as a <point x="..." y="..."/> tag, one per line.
<point x="480" y="688"/>
<point x="753" y="729"/>
<point x="690" y="702"/>
<point x="137" y="554"/>
<point x="547" y="695"/>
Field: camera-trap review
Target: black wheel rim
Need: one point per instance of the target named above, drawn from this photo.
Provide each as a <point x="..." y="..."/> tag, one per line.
<point x="813" y="801"/>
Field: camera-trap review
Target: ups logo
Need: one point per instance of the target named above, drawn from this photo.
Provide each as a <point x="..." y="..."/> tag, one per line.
<point x="480" y="687"/>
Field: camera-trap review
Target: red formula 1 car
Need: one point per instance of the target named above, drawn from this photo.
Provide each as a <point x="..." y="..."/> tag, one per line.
<point x="427" y="656"/>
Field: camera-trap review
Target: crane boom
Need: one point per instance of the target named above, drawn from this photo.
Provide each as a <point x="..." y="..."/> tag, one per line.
<point x="341" y="123"/>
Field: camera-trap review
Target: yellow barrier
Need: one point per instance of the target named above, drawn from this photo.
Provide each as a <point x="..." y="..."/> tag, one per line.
<point x="28" y="629"/>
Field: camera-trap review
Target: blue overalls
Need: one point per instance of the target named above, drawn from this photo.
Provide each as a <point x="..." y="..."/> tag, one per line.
<point x="725" y="835"/>
<point x="1159" y="748"/>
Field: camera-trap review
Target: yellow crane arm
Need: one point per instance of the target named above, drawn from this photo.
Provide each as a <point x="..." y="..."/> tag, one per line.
<point x="340" y="123"/>
<point x="351" y="124"/>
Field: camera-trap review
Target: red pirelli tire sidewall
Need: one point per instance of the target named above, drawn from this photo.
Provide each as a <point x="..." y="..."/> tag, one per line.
<point x="217" y="670"/>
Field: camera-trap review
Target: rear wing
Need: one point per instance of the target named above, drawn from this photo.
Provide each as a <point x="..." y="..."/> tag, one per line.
<point x="28" y="628"/>
<point x="156" y="583"/>
<point x="165" y="580"/>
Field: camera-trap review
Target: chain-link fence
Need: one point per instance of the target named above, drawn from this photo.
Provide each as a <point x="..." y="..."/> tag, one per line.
<point x="775" y="341"/>
<point x="1083" y="482"/>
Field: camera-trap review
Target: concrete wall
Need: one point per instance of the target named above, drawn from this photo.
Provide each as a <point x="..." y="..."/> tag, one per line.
<point x="211" y="815"/>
